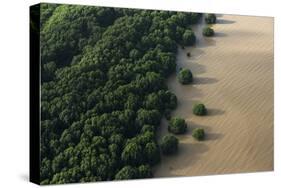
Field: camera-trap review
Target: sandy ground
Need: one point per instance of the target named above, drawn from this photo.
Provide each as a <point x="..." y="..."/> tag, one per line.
<point x="234" y="78"/>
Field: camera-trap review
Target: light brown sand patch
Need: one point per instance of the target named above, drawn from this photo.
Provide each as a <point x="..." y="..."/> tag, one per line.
<point x="234" y="78"/>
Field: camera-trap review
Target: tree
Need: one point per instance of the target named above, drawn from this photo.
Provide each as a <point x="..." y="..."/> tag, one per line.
<point x="116" y="139"/>
<point x="127" y="172"/>
<point x="177" y="125"/>
<point x="188" y="38"/>
<point x="185" y="76"/>
<point x="198" y="134"/>
<point x="199" y="109"/>
<point x="169" y="144"/>
<point x="151" y="117"/>
<point x="103" y="90"/>
<point x="210" y="19"/>
<point x="152" y="153"/>
<point x="144" y="171"/>
<point x="208" y="32"/>
<point x="147" y="128"/>
<point x="132" y="154"/>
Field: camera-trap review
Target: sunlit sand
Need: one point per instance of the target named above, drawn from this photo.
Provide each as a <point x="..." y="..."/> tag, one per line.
<point x="233" y="77"/>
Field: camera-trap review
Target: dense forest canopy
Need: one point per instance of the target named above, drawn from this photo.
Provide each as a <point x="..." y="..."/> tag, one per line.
<point x="103" y="89"/>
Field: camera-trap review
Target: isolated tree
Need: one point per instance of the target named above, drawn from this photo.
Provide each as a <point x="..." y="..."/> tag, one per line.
<point x="185" y="76"/>
<point x="208" y="32"/>
<point x="199" y="109"/>
<point x="198" y="134"/>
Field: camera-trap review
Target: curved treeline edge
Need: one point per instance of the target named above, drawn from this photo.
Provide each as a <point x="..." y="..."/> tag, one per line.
<point x="103" y="90"/>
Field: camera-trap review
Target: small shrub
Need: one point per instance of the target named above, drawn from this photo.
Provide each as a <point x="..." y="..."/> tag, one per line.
<point x="199" y="109"/>
<point x="208" y="32"/>
<point x="185" y="76"/>
<point x="198" y="134"/>
<point x="177" y="126"/>
<point x="169" y="144"/>
<point x="210" y="19"/>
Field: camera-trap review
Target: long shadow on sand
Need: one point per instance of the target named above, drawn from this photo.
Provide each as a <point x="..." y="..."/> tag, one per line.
<point x="192" y="125"/>
<point x="186" y="156"/>
<point x="204" y="42"/>
<point x="219" y="34"/>
<point x="208" y="130"/>
<point x="223" y="21"/>
<point x="213" y="136"/>
<point x="204" y="80"/>
<point x="215" y="112"/>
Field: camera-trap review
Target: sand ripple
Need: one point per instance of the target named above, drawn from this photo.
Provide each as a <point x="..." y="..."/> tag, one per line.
<point x="234" y="78"/>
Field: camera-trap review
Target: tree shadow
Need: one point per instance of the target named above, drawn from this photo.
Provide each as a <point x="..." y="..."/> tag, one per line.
<point x="191" y="64"/>
<point x="192" y="125"/>
<point x="223" y="21"/>
<point x="187" y="155"/>
<point x="215" y="112"/>
<point x="213" y="136"/>
<point x="219" y="15"/>
<point x="194" y="53"/>
<point x="204" y="80"/>
<point x="184" y="108"/>
<point x="204" y="42"/>
<point x="208" y="131"/>
<point x="219" y="34"/>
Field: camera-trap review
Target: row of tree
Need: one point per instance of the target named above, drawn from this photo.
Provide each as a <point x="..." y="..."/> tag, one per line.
<point x="178" y="125"/>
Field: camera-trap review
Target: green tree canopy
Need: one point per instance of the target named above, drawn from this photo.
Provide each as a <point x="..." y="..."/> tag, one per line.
<point x="126" y="173"/>
<point x="169" y="144"/>
<point x="132" y="154"/>
<point x="198" y="134"/>
<point x="188" y="38"/>
<point x="185" y="76"/>
<point x="199" y="109"/>
<point x="177" y="125"/>
<point x="103" y="89"/>
<point x="208" y="32"/>
<point x="210" y="18"/>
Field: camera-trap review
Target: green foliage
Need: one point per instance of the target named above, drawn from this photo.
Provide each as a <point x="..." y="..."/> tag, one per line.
<point x="177" y="125"/>
<point x="132" y="154"/>
<point x="210" y="19"/>
<point x="103" y="90"/>
<point x="169" y="144"/>
<point x="126" y="173"/>
<point x="144" y="171"/>
<point x="151" y="117"/>
<point x="208" y="32"/>
<point x="198" y="134"/>
<point x="199" y="109"/>
<point x="152" y="153"/>
<point x="188" y="38"/>
<point x="185" y="76"/>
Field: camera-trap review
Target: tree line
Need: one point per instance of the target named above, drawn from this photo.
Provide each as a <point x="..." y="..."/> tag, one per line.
<point x="103" y="90"/>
